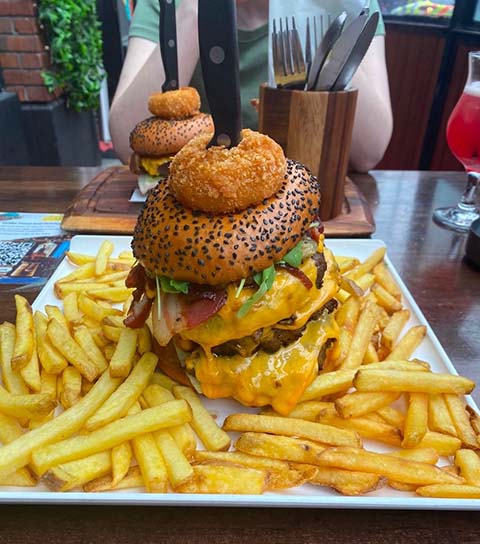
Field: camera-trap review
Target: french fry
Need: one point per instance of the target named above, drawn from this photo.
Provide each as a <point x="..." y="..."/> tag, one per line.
<point x="394" y="328"/>
<point x="133" y="478"/>
<point x="461" y="421"/>
<point x="72" y="386"/>
<point x="367" y="265"/>
<point x="49" y="384"/>
<point x="94" y="309"/>
<point x="416" y="422"/>
<point x="469" y="464"/>
<point x="178" y="468"/>
<point x="385" y="279"/>
<point x="24" y="334"/>
<point x="152" y="419"/>
<point x="394" y="468"/>
<point x="240" y="459"/>
<point x="10" y="429"/>
<point x="371" y="355"/>
<point x="386" y="300"/>
<point x="112" y="294"/>
<point x="363" y="283"/>
<point x="450" y="491"/>
<point x="50" y="358"/>
<point x="279" y="447"/>
<point x="85" y="270"/>
<point x="309" y="410"/>
<point x="359" y="403"/>
<point x="126" y="395"/>
<point x="12" y="380"/>
<point x="392" y="416"/>
<point x="445" y="445"/>
<point x="121" y="458"/>
<point x="439" y="417"/>
<point x="411" y="381"/>
<point x="346" y="263"/>
<point x="102" y="257"/>
<point x="407" y="344"/>
<point x="408" y="366"/>
<point x="85" y="339"/>
<point x="474" y="419"/>
<point x="422" y="455"/>
<point x="17" y="454"/>
<point x="152" y="465"/>
<point x="347" y="482"/>
<point x="182" y="434"/>
<point x="60" y="337"/>
<point x="366" y="428"/>
<point x="122" y="359"/>
<point x="25" y="406"/>
<point x="77" y="473"/>
<point x="20" y="478"/>
<point x="31" y="371"/>
<point x="111" y="333"/>
<point x="317" y="432"/>
<point x="144" y="340"/>
<point x="361" y="337"/>
<point x="207" y="429"/>
<point x="329" y="383"/>
<point x="226" y="479"/>
<point x="350" y="287"/>
<point x="54" y="312"/>
<point x="164" y="381"/>
<point x="70" y="308"/>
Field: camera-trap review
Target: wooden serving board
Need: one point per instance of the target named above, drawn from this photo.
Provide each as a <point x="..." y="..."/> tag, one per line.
<point x="104" y="206"/>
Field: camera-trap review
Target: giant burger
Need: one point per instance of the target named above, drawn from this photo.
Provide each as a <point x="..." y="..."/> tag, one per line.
<point x="232" y="269"/>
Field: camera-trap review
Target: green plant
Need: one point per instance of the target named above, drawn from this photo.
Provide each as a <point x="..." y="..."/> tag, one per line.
<point x="75" y="41"/>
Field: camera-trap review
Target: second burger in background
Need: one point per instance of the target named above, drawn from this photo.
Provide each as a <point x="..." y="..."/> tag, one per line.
<point x="175" y="120"/>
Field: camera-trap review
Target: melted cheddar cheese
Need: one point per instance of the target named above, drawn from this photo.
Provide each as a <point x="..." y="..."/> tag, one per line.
<point x="152" y="164"/>
<point x="278" y="379"/>
<point x="287" y="297"/>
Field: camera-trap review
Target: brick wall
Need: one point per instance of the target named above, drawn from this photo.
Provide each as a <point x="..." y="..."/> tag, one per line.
<point x="23" y="54"/>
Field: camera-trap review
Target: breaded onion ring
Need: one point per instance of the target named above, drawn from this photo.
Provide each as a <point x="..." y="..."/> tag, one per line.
<point x="183" y="244"/>
<point x="178" y="104"/>
<point x="221" y="180"/>
<point x="154" y="136"/>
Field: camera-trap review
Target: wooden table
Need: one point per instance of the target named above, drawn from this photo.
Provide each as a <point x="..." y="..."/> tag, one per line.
<point x="429" y="259"/>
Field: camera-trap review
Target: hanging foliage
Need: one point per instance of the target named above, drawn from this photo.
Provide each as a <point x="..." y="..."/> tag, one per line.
<point x="75" y="39"/>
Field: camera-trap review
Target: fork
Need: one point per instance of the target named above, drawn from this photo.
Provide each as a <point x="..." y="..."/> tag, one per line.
<point x="288" y="61"/>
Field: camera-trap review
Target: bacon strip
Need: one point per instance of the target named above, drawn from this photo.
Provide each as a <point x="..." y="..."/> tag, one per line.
<point x="297" y="273"/>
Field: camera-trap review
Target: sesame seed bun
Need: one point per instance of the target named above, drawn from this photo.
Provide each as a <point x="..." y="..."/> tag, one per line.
<point x="174" y="241"/>
<point x="155" y="136"/>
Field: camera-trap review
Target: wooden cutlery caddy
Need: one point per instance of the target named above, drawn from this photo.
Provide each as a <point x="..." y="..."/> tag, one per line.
<point x="314" y="128"/>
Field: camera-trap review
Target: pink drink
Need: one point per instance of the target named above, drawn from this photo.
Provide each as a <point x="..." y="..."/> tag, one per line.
<point x="463" y="129"/>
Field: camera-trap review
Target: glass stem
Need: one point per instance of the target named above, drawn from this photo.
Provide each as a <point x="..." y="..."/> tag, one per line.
<point x="467" y="202"/>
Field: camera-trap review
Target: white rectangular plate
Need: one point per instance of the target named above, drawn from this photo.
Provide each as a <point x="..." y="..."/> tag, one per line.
<point x="306" y="496"/>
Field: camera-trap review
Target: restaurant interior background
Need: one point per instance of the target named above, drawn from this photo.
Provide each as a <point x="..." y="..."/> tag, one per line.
<point x="426" y="46"/>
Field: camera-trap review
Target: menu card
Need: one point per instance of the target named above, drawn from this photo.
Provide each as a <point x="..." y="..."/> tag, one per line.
<point x="31" y="246"/>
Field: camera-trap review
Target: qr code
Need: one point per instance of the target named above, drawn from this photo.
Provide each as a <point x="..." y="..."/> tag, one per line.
<point x="11" y="253"/>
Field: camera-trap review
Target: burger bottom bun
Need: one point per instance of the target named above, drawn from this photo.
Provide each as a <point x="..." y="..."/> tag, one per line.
<point x="221" y="180"/>
<point x="177" y="104"/>
<point x="154" y="136"/>
<point x="174" y="241"/>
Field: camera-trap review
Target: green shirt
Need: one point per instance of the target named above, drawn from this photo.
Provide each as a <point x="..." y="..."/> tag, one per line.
<point x="253" y="53"/>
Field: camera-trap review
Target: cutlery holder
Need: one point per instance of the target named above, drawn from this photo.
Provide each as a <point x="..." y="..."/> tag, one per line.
<point x="314" y="128"/>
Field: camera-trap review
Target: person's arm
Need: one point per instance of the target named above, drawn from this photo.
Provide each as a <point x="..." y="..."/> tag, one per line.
<point x="143" y="73"/>
<point x="373" y="124"/>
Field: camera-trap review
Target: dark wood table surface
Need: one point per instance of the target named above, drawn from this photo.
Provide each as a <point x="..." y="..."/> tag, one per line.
<point x="447" y="289"/>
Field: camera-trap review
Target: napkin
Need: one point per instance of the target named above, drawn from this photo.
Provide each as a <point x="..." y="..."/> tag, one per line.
<point x="302" y="9"/>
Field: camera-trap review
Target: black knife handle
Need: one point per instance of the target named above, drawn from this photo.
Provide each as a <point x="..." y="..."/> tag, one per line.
<point x="217" y="32"/>
<point x="168" y="44"/>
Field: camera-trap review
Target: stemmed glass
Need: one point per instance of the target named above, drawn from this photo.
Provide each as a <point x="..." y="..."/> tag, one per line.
<point x="463" y="137"/>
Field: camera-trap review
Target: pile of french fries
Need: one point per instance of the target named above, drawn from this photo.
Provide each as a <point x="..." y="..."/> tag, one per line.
<point x="83" y="407"/>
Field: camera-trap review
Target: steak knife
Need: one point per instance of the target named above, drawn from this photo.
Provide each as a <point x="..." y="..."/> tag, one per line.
<point x="168" y="44"/>
<point x="217" y="33"/>
<point x="339" y="54"/>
